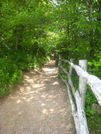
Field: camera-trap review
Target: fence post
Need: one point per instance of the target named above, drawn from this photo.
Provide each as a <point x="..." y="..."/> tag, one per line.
<point x="59" y="64"/>
<point x="70" y="69"/>
<point x="82" y="82"/>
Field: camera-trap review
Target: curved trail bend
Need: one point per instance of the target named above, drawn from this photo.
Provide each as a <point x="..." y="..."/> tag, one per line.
<point x="39" y="105"/>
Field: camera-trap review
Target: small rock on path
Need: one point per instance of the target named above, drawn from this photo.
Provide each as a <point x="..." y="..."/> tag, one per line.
<point x="40" y="105"/>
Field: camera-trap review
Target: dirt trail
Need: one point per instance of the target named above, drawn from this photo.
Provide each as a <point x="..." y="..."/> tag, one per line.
<point x="39" y="105"/>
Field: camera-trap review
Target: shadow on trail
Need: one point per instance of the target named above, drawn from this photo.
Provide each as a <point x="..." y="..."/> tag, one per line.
<point x="37" y="106"/>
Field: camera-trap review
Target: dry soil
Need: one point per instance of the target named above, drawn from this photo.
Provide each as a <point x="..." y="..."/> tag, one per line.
<point x="40" y="105"/>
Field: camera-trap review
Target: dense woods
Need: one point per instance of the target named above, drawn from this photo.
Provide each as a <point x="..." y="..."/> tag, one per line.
<point x="30" y="30"/>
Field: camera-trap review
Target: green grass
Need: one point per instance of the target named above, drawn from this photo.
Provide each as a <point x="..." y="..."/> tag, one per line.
<point x="93" y="118"/>
<point x="94" y="123"/>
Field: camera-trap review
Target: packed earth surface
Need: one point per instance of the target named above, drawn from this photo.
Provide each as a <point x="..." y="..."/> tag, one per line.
<point x="39" y="105"/>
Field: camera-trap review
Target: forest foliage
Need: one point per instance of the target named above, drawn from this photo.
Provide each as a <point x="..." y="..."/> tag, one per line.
<point x="30" y="30"/>
<point x="23" y="40"/>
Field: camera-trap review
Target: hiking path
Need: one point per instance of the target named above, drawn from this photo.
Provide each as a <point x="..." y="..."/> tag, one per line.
<point x="39" y="105"/>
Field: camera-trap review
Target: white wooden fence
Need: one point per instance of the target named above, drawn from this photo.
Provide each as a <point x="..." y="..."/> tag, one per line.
<point x="77" y="97"/>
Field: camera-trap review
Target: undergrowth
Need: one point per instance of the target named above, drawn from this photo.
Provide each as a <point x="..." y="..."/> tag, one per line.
<point x="12" y="65"/>
<point x="93" y="118"/>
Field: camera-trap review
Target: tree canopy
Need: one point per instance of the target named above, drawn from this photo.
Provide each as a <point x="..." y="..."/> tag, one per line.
<point x="32" y="29"/>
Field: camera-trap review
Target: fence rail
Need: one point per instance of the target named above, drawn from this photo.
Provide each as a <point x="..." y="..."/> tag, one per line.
<point x="77" y="97"/>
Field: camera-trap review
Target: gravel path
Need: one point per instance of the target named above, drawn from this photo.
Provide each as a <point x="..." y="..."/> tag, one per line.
<point x="39" y="105"/>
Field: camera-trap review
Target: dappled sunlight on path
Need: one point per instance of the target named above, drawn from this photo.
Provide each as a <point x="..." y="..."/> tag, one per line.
<point x="39" y="105"/>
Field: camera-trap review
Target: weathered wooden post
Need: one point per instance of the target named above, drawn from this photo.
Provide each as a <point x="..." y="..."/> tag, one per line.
<point x="79" y="96"/>
<point x="59" y="65"/>
<point x="82" y="82"/>
<point x="70" y="69"/>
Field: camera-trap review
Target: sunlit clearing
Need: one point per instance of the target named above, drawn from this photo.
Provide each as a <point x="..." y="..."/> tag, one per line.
<point x="45" y="111"/>
<point x="19" y="113"/>
<point x="18" y="101"/>
<point x="30" y="99"/>
<point x="29" y="88"/>
<point x="55" y="83"/>
<point x="51" y="110"/>
<point x="43" y="96"/>
<point x="50" y="70"/>
<point x="36" y="85"/>
<point x="43" y="104"/>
